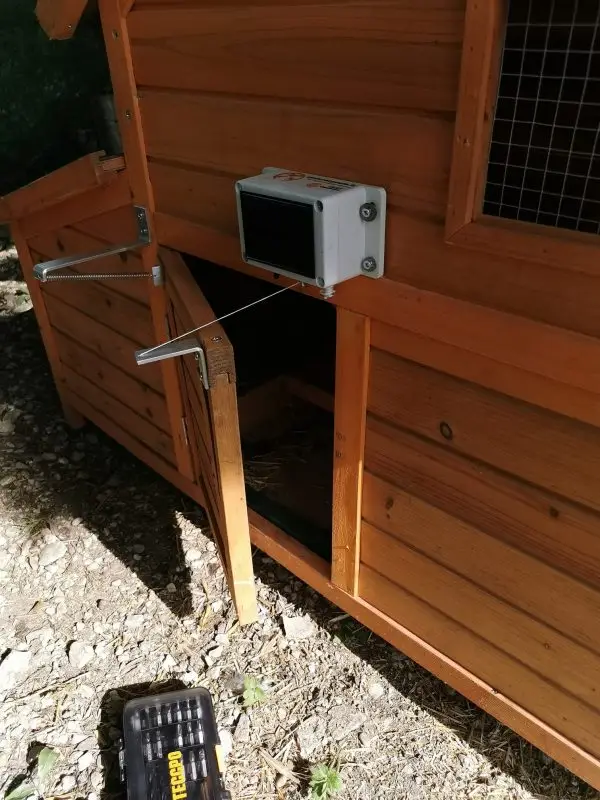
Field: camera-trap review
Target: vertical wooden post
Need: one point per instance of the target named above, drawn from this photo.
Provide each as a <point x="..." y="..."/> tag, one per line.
<point x="351" y="386"/>
<point x="118" y="49"/>
<point x="73" y="417"/>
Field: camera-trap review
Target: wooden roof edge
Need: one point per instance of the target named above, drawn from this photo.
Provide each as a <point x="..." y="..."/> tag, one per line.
<point x="59" y="18"/>
<point x="87" y="172"/>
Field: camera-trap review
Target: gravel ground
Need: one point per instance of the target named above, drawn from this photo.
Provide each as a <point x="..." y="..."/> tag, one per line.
<point x="110" y="585"/>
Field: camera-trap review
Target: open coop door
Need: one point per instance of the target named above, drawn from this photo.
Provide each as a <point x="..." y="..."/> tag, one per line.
<point x="207" y="383"/>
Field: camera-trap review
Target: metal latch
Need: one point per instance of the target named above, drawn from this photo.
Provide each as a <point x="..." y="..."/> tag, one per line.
<point x="42" y="271"/>
<point x="180" y="347"/>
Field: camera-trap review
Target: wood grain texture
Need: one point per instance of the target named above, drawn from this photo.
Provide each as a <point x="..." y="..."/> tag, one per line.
<point x="107" y="343"/>
<point x="549" y="653"/>
<point x="314" y="571"/>
<point x="59" y="18"/>
<point x="305" y="52"/>
<point x="131" y="392"/>
<point x="542" y="592"/>
<point x="137" y="448"/>
<point x="79" y="176"/>
<point x="245" y="134"/>
<point x="113" y="309"/>
<point x="69" y="240"/>
<point x="548" y="450"/>
<point x="507" y="675"/>
<point x="483" y="33"/>
<point x="214" y="424"/>
<point x="73" y="418"/>
<point x="104" y="198"/>
<point x="553" y="530"/>
<point x="351" y="385"/>
<point x="118" y="49"/>
<point x="131" y="420"/>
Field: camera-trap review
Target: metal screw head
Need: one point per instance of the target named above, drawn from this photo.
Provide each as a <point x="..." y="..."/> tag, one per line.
<point x="368" y="212"/>
<point x="319" y="205"/>
<point x="368" y="264"/>
<point x="320" y="282"/>
<point x="216" y="339"/>
<point x="128" y="114"/>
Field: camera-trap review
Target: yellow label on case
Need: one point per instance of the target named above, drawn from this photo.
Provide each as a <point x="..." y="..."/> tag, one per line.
<point x="177" y="775"/>
<point x="220" y="758"/>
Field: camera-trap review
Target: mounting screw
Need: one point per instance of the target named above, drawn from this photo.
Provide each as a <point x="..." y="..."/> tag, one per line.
<point x="368" y="264"/>
<point x="115" y="34"/>
<point x="320" y="282"/>
<point x="319" y="205"/>
<point x="216" y="339"/>
<point x="128" y="114"/>
<point x="368" y="212"/>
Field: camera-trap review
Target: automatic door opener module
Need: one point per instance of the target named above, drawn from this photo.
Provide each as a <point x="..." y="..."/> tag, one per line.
<point x="320" y="231"/>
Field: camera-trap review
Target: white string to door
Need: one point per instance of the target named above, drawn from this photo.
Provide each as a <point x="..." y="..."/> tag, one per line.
<point x="219" y="319"/>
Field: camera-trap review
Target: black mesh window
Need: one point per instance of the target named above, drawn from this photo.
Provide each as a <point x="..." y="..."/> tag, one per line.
<point x="544" y="161"/>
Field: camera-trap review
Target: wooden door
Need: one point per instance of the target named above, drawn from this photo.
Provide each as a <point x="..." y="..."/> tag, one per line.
<point x="208" y="387"/>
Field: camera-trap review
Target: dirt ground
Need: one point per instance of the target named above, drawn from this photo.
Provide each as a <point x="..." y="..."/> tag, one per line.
<point x="110" y="584"/>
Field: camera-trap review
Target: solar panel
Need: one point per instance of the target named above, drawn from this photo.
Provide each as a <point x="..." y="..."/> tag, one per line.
<point x="544" y="157"/>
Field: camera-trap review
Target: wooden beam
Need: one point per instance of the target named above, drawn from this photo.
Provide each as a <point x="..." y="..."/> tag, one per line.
<point x="351" y="385"/>
<point x="313" y="570"/>
<point x="79" y="176"/>
<point x="118" y="49"/>
<point x="59" y="18"/>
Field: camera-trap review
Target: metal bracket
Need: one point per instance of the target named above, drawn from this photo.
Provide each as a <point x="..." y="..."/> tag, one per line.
<point x="181" y="347"/>
<point x="42" y="271"/>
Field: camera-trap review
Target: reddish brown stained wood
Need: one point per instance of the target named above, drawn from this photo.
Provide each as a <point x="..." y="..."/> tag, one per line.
<point x="564" y="535"/>
<point x="116" y="37"/>
<point x="314" y="571"/>
<point x="544" y="593"/>
<point x="351" y="384"/>
<point x="247" y="133"/>
<point x="74" y="419"/>
<point x="306" y="52"/>
<point x="59" y="18"/>
<point x="550" y="451"/>
<point x="484" y="22"/>
<point x="103" y="198"/>
<point x="130" y="419"/>
<point x="506" y="378"/>
<point x="131" y="392"/>
<point x="139" y="450"/>
<point x="568" y="715"/>
<point x="82" y="175"/>
<point x="109" y="344"/>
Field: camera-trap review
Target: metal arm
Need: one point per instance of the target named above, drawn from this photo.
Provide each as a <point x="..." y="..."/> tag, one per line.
<point x="42" y="271"/>
<point x="181" y="347"/>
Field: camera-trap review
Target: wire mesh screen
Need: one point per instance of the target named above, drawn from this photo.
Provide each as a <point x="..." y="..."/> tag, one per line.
<point x="544" y="160"/>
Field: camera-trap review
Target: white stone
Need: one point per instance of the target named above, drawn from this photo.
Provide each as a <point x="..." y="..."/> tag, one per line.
<point x="51" y="552"/>
<point x="376" y="690"/>
<point x="342" y="720"/>
<point x="134" y="620"/>
<point x="194" y="555"/>
<point x="14" y="668"/>
<point x="80" y="654"/>
<point x="66" y="784"/>
<point x="298" y="627"/>
<point x="226" y="742"/>
<point x="242" y="731"/>
<point x="86" y="760"/>
<point x="310" y="735"/>
<point x="170" y="587"/>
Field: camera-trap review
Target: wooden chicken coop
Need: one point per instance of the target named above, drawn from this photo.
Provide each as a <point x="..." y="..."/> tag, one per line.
<point x="423" y="449"/>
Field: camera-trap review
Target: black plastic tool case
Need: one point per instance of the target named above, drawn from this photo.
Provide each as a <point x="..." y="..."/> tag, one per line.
<point x="171" y="748"/>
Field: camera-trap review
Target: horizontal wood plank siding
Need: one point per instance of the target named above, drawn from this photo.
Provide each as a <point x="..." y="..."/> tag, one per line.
<point x="304" y="51"/>
<point x="546" y="449"/>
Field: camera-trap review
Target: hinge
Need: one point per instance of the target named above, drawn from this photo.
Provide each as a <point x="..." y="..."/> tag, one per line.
<point x="42" y="271"/>
<point x="179" y="347"/>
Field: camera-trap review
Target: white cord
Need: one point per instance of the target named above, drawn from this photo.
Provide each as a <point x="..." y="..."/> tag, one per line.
<point x="230" y="314"/>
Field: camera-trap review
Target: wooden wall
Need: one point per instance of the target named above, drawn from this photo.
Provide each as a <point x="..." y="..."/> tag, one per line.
<point x="481" y="530"/>
<point x="96" y="327"/>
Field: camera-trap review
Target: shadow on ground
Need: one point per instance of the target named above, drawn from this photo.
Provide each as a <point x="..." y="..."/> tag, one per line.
<point x="84" y="474"/>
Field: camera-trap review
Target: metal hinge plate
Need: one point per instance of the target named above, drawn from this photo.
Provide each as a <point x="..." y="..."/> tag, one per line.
<point x="43" y="271"/>
<point x="181" y="347"/>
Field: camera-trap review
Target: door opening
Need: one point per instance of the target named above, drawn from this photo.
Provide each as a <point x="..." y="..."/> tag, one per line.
<point x="285" y="368"/>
